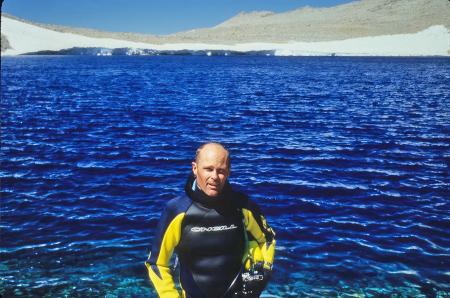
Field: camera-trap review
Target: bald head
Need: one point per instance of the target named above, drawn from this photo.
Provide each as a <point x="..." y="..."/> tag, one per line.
<point x="212" y="147"/>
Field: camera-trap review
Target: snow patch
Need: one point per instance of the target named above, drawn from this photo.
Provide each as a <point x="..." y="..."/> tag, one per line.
<point x="434" y="41"/>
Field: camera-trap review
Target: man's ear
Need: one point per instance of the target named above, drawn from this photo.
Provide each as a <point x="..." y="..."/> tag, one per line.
<point x="194" y="168"/>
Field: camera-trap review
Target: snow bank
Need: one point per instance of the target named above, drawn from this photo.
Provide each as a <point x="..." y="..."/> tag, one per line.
<point x="25" y="38"/>
<point x="434" y="41"/>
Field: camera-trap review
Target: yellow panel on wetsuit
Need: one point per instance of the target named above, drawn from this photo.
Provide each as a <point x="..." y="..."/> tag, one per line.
<point x="167" y="237"/>
<point x="264" y="235"/>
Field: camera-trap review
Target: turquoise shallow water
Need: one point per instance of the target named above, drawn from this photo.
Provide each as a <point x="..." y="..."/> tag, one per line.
<point x="348" y="157"/>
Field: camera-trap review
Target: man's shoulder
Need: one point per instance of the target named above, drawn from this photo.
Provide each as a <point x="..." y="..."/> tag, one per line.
<point x="178" y="204"/>
<point x="243" y="200"/>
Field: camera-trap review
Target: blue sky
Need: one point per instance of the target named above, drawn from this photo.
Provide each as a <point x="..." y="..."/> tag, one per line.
<point x="147" y="16"/>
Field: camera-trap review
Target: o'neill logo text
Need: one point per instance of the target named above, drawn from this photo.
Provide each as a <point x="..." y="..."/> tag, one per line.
<point x="213" y="229"/>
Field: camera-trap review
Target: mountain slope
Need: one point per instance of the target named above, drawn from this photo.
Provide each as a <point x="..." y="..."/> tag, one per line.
<point x="355" y="19"/>
<point x="367" y="27"/>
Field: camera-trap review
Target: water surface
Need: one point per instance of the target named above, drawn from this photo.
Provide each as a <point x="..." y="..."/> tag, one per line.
<point x="348" y="157"/>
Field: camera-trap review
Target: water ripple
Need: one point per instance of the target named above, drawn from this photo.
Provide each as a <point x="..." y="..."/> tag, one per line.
<point x="348" y="157"/>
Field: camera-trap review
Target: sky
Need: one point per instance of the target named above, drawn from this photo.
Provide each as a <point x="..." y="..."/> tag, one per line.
<point x="147" y="16"/>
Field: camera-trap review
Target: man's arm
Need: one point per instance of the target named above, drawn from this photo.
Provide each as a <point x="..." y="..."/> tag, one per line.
<point x="167" y="237"/>
<point x="257" y="225"/>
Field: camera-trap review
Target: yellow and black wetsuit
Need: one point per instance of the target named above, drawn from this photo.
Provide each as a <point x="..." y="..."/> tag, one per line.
<point x="208" y="236"/>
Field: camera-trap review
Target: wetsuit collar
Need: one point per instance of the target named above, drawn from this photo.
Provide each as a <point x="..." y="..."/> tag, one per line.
<point x="196" y="194"/>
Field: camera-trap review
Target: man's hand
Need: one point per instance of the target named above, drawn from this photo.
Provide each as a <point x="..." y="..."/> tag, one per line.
<point x="255" y="281"/>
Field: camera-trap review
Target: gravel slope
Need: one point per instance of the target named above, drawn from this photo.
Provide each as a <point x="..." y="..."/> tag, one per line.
<point x="355" y="19"/>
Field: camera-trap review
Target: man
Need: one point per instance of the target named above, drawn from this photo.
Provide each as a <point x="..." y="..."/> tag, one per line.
<point x="211" y="228"/>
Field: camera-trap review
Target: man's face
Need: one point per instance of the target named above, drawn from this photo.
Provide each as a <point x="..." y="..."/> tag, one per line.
<point x="211" y="169"/>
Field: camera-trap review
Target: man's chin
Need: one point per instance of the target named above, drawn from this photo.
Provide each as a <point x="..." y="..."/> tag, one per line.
<point x="213" y="193"/>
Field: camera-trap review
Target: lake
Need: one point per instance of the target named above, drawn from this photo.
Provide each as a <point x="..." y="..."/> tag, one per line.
<point x="349" y="158"/>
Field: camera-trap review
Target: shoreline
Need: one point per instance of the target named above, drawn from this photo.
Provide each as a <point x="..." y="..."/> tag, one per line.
<point x="241" y="54"/>
<point x="434" y="41"/>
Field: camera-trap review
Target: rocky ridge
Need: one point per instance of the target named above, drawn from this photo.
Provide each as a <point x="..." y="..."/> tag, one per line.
<point x="306" y="24"/>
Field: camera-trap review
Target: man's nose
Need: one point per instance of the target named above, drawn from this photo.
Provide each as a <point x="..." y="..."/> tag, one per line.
<point x="215" y="175"/>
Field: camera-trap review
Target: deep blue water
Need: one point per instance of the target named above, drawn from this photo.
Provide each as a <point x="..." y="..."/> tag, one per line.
<point x="348" y="157"/>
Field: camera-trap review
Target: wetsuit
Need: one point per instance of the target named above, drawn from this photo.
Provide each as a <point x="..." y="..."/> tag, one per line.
<point x="208" y="236"/>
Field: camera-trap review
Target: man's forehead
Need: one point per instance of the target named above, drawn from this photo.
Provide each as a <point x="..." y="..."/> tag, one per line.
<point x="213" y="151"/>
